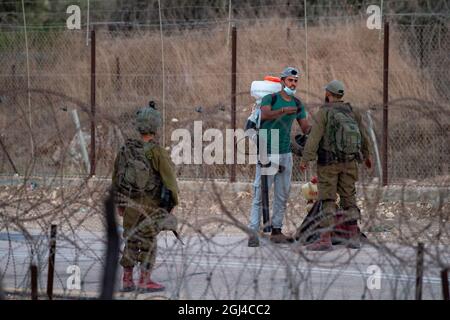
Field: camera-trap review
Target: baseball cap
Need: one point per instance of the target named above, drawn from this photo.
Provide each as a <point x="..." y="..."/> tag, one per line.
<point x="290" y="72"/>
<point x="336" y="87"/>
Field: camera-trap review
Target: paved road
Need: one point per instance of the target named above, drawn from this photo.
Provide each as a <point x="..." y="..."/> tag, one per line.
<point x="225" y="268"/>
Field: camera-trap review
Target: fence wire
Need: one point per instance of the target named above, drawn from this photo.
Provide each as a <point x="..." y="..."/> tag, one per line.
<point x="41" y="140"/>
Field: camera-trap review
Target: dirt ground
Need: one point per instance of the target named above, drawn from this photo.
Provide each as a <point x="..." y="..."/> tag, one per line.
<point x="210" y="209"/>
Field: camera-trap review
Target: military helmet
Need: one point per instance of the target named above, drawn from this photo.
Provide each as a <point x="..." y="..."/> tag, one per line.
<point x="148" y="119"/>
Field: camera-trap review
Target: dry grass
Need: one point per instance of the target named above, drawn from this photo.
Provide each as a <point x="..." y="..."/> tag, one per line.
<point x="197" y="65"/>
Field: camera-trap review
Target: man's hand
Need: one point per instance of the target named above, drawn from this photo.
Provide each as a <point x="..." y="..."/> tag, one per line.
<point x="120" y="211"/>
<point x="289" y="110"/>
<point x="303" y="166"/>
<point x="368" y="163"/>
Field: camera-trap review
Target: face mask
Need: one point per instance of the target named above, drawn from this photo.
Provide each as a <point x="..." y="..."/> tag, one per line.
<point x="289" y="91"/>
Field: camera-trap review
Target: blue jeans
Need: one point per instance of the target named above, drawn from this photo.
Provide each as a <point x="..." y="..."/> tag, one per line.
<point x="282" y="187"/>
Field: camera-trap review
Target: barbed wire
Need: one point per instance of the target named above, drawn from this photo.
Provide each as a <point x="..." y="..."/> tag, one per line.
<point x="215" y="262"/>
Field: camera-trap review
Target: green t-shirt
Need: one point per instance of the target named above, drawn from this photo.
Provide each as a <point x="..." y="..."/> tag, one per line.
<point x="283" y="123"/>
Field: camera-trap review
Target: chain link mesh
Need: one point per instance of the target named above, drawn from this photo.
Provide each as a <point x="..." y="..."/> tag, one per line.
<point x="188" y="73"/>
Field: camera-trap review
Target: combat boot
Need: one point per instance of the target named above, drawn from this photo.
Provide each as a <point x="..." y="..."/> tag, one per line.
<point x="341" y="232"/>
<point x="127" y="280"/>
<point x="147" y="285"/>
<point x="278" y="237"/>
<point x="354" y="241"/>
<point x="321" y="244"/>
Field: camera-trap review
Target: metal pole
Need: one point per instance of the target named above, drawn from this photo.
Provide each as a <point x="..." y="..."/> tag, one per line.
<point x="112" y="250"/>
<point x="229" y="22"/>
<point x="375" y="145"/>
<point x="385" y="103"/>
<point x="306" y="51"/>
<point x="92" y="171"/>
<point x="265" y="202"/>
<point x="233" y="99"/>
<point x="445" y="290"/>
<point x="419" y="271"/>
<point x="163" y="70"/>
<point x="83" y="147"/>
<point x="34" y="282"/>
<point x="51" y="262"/>
<point x="13" y="73"/>
<point x="118" y="77"/>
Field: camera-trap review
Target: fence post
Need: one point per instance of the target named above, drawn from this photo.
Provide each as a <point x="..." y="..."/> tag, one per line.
<point x="233" y="99"/>
<point x="84" y="152"/>
<point x="13" y="73"/>
<point x="112" y="250"/>
<point x="444" y="280"/>
<point x="34" y="282"/>
<point x="93" y="53"/>
<point x="118" y="76"/>
<point x="375" y="144"/>
<point x="419" y="271"/>
<point x="385" y="102"/>
<point x="51" y="262"/>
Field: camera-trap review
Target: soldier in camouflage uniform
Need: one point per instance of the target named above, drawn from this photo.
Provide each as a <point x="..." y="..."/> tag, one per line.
<point x="337" y="171"/>
<point x="142" y="215"/>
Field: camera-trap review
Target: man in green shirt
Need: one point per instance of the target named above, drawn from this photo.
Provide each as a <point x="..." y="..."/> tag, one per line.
<point x="278" y="111"/>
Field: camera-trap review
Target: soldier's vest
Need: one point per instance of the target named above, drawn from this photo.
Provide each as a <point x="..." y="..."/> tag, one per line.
<point x="135" y="174"/>
<point x="342" y="139"/>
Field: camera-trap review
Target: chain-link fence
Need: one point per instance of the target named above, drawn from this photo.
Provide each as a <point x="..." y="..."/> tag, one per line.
<point x="46" y="91"/>
<point x="187" y="71"/>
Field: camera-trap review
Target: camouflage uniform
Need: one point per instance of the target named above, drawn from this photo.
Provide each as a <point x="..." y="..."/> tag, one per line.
<point x="141" y="214"/>
<point x="335" y="177"/>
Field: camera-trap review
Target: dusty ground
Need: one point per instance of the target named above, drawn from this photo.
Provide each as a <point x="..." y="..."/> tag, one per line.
<point x="211" y="209"/>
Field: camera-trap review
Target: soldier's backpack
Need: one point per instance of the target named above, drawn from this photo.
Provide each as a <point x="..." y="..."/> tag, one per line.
<point x="342" y="133"/>
<point x="135" y="175"/>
